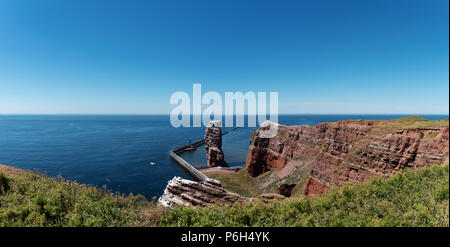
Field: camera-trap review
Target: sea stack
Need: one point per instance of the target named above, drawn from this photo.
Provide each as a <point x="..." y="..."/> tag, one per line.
<point x="213" y="142"/>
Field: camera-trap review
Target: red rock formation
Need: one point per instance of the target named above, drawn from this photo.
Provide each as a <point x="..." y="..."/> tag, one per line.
<point x="348" y="151"/>
<point x="315" y="187"/>
<point x="285" y="189"/>
<point x="264" y="154"/>
<point x="213" y="142"/>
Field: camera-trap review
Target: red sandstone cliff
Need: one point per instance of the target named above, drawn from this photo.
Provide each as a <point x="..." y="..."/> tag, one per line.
<point x="351" y="151"/>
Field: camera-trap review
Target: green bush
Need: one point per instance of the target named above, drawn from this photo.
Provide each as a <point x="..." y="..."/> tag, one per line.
<point x="4" y="184"/>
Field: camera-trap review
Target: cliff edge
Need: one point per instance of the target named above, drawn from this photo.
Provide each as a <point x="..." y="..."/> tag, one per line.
<point x="348" y="151"/>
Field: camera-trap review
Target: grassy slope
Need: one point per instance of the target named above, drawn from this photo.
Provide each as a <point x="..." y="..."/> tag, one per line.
<point x="29" y="199"/>
<point x="238" y="182"/>
<point x="387" y="126"/>
<point x="411" y="198"/>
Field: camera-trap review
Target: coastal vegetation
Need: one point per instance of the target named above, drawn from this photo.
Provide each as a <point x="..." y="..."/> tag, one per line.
<point x="410" y="198"/>
<point x="32" y="199"/>
<point x="410" y="122"/>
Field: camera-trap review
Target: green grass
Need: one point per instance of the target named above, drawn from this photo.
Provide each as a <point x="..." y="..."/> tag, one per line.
<point x="412" y="122"/>
<point x="409" y="123"/>
<point x="239" y="182"/>
<point x="411" y="198"/>
<point x="29" y="199"/>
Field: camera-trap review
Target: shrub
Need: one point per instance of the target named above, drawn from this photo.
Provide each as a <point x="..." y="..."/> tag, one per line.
<point x="4" y="183"/>
<point x="34" y="200"/>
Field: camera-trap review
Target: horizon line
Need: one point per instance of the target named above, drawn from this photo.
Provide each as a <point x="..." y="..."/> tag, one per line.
<point x="168" y="114"/>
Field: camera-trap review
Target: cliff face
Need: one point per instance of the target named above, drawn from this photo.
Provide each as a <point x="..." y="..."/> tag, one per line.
<point x="351" y="151"/>
<point x="213" y="143"/>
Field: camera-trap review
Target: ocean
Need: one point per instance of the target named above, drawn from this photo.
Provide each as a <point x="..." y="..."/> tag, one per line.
<point x="128" y="154"/>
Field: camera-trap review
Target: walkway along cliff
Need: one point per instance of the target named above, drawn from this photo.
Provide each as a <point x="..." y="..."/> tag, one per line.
<point x="213" y="140"/>
<point x="206" y="191"/>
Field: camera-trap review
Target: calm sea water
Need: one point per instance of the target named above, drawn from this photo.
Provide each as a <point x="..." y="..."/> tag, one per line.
<point x="128" y="154"/>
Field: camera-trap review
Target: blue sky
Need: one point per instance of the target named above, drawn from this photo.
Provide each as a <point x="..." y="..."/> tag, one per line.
<point x="128" y="57"/>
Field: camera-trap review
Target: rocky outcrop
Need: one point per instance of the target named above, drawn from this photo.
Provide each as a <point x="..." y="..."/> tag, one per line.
<point x="267" y="197"/>
<point x="181" y="191"/>
<point x="213" y="142"/>
<point x="265" y="154"/>
<point x="314" y="187"/>
<point x="350" y="151"/>
<point x="285" y="189"/>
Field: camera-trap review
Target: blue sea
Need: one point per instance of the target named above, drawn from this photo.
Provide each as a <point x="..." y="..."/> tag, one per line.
<point x="128" y="154"/>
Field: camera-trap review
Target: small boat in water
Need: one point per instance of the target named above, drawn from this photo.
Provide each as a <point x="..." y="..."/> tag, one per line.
<point x="190" y="148"/>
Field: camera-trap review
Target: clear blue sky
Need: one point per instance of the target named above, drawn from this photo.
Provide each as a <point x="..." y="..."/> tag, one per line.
<point x="128" y="57"/>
